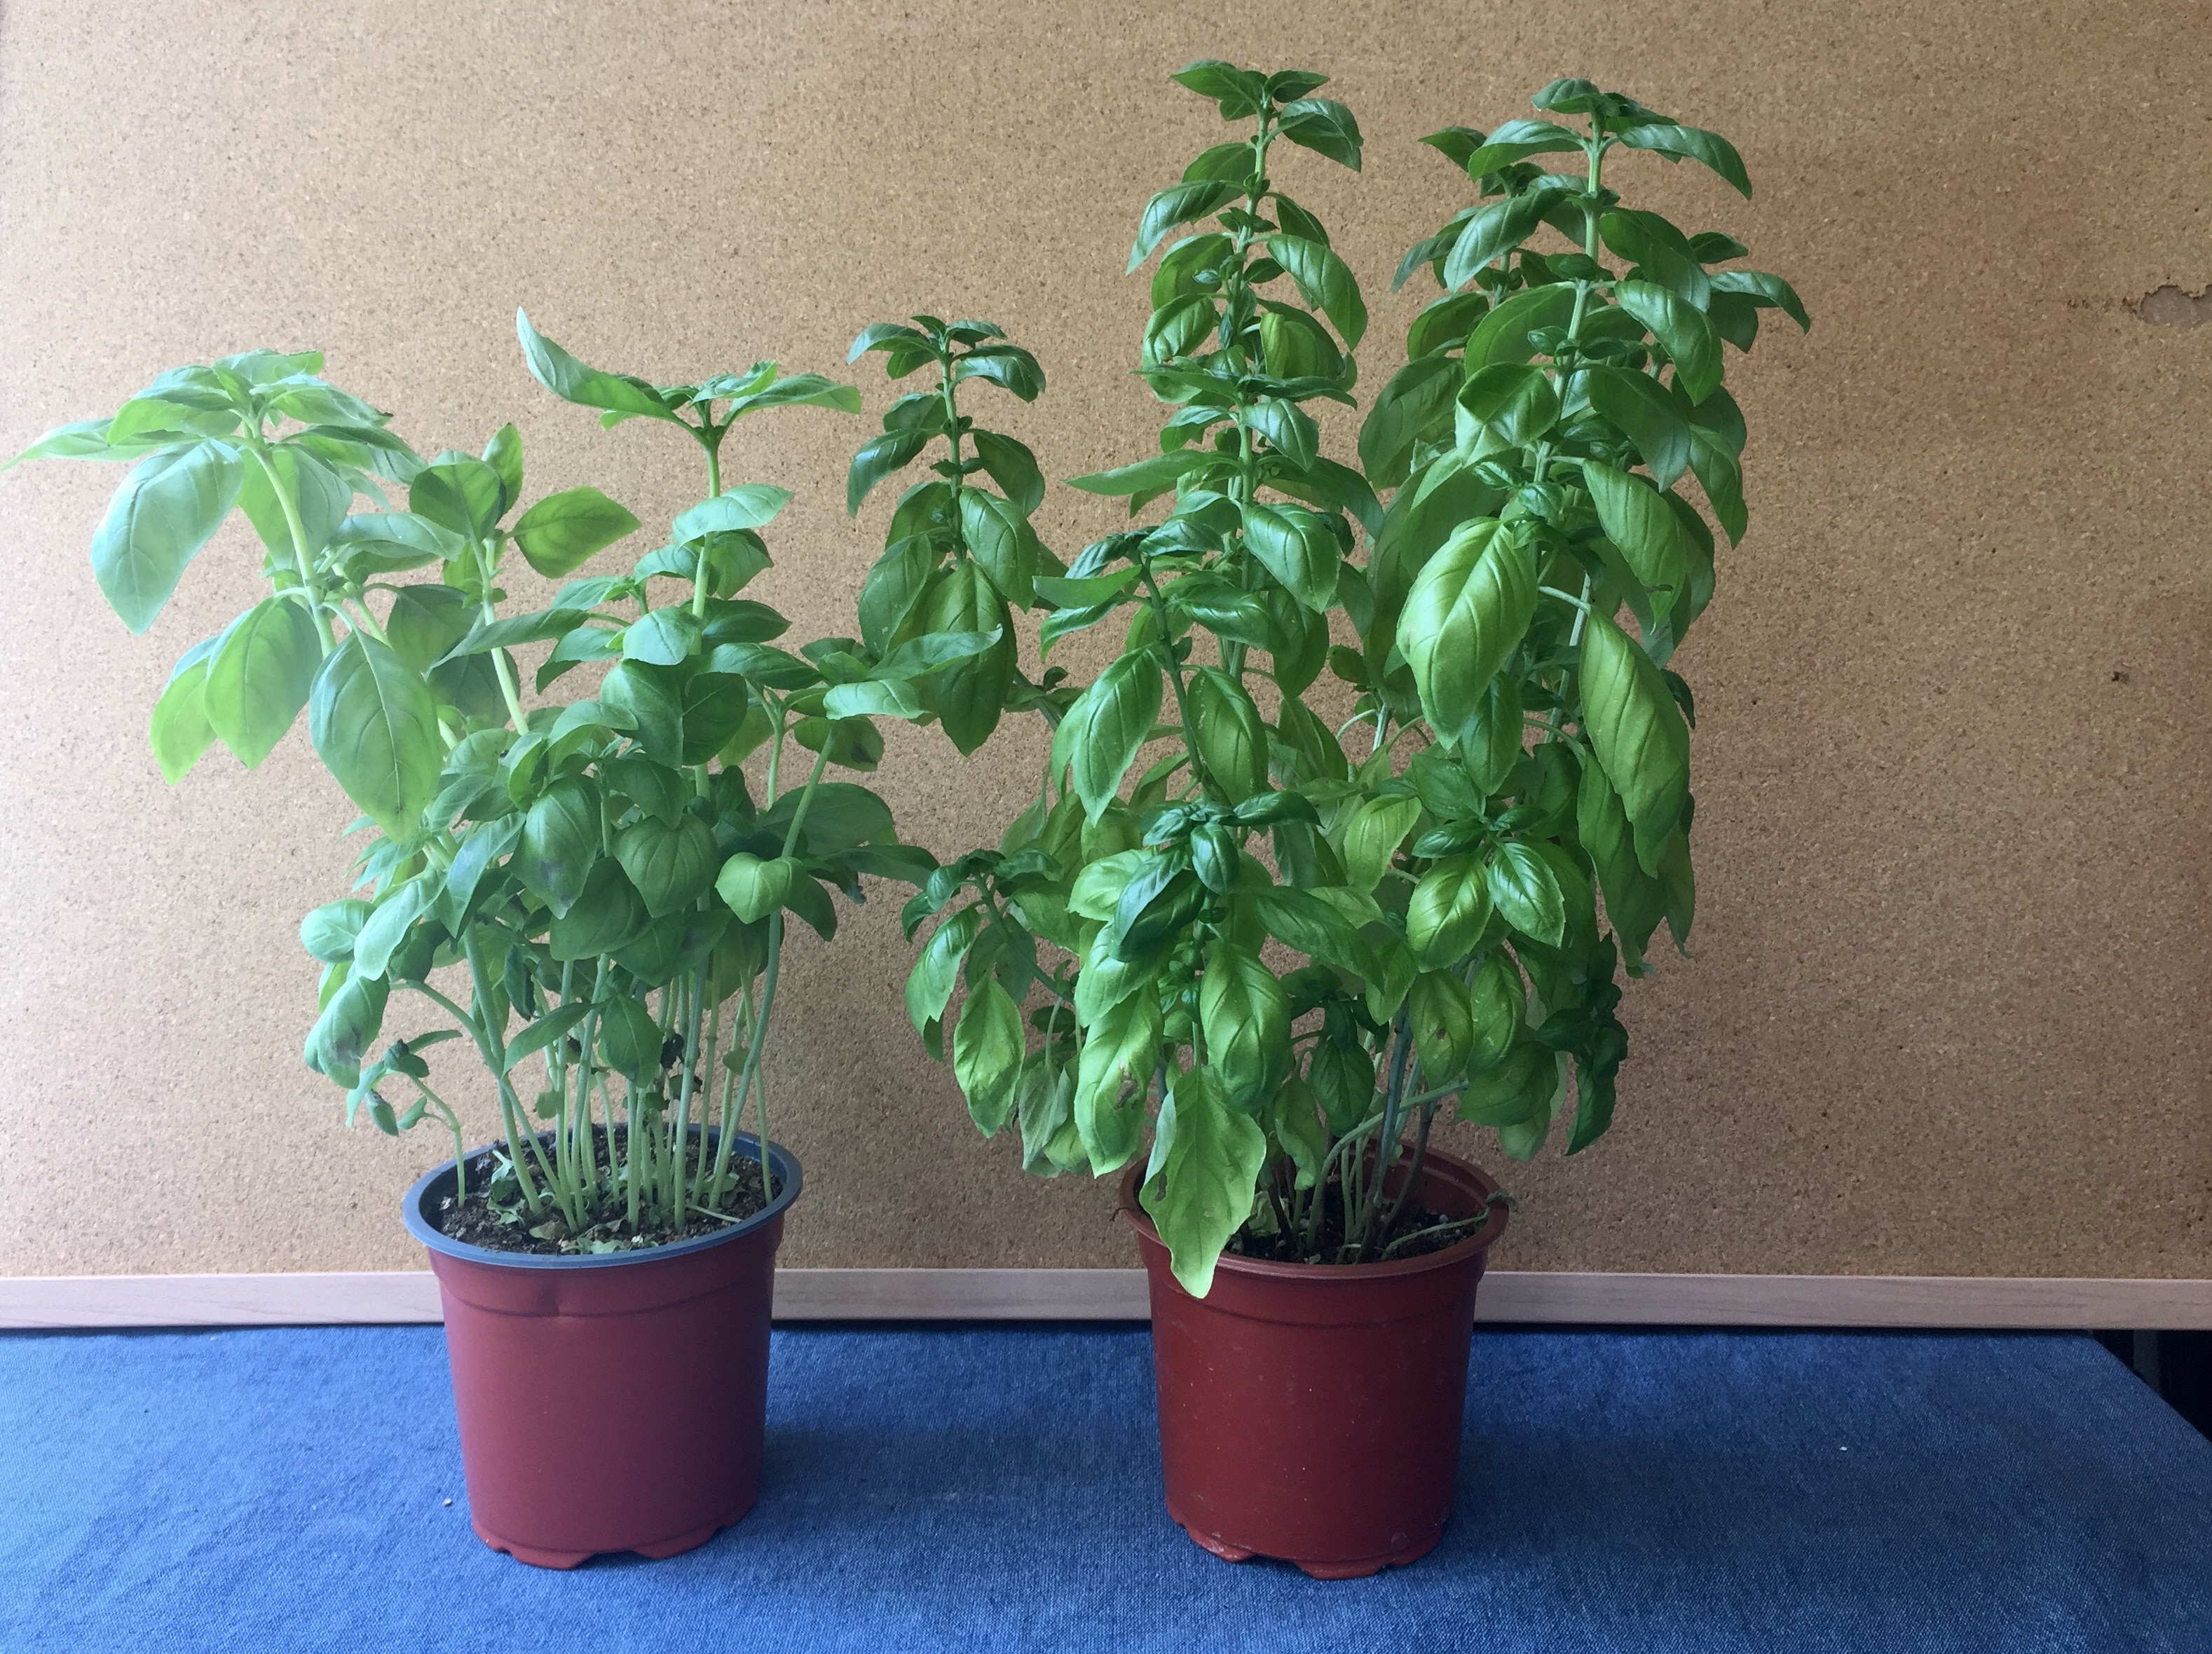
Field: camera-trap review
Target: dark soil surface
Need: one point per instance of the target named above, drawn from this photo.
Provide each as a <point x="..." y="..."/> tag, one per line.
<point x="506" y="1227"/>
<point x="1409" y="1238"/>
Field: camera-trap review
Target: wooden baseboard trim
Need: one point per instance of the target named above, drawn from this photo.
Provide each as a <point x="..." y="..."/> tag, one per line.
<point x="802" y="1295"/>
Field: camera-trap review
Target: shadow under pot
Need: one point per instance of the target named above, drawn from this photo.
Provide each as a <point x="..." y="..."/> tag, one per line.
<point x="1313" y="1412"/>
<point x="570" y="1375"/>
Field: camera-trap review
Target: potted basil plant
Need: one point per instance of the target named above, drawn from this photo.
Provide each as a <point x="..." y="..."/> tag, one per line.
<point x="1257" y="934"/>
<point x="589" y="893"/>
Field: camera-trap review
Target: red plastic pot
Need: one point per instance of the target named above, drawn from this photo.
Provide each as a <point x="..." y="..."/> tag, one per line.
<point x="1313" y="1412"/>
<point x="612" y="1403"/>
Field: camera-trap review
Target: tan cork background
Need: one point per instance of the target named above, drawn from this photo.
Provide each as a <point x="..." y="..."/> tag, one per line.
<point x="1946" y="1013"/>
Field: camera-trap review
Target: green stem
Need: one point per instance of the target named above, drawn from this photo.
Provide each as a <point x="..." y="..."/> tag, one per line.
<point x="493" y="1044"/>
<point x="259" y="450"/>
<point x="485" y="570"/>
<point x="1175" y="677"/>
<point x="695" y="1011"/>
<point x="751" y="1081"/>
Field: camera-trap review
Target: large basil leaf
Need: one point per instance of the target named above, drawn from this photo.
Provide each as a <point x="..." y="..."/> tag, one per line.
<point x="375" y="724"/>
<point x="1199" y="1189"/>
<point x="1467" y="613"/>
<point x="166" y="509"/>
<point x="260" y="675"/>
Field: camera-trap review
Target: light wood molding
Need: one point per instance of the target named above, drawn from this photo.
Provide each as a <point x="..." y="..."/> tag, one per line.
<point x="411" y="1296"/>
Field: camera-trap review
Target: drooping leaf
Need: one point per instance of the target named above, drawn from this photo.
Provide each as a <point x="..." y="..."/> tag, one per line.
<point x="572" y="381"/>
<point x="987" y="1047"/>
<point x="1205" y="1162"/>
<point x="166" y="509"/>
<point x="559" y="841"/>
<point x="1693" y="143"/>
<point x="1121" y="1047"/>
<point x="1638" y="733"/>
<point x="259" y="675"/>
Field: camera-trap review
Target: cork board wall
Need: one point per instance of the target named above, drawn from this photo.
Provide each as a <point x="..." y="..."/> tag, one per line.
<point x="1945" y="1014"/>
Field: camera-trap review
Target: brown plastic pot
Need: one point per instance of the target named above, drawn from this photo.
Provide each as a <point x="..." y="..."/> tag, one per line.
<point x="612" y="1403"/>
<point x="1313" y="1412"/>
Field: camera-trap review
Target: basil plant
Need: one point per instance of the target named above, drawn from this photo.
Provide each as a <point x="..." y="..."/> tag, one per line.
<point x="1278" y="922"/>
<point x="591" y="892"/>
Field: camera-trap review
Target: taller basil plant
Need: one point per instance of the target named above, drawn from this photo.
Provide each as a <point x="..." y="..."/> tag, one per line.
<point x="1513" y="753"/>
<point x="588" y="891"/>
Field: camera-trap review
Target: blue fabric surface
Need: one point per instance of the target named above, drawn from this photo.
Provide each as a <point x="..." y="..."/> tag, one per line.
<point x="280" y="1490"/>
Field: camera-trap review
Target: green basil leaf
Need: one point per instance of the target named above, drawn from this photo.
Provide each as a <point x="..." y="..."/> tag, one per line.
<point x="1298" y="549"/>
<point x="1644" y="409"/>
<point x="1467" y="613"/>
<point x="1681" y="328"/>
<point x="1414" y="406"/>
<point x="1638" y="519"/>
<point x="1372" y="836"/>
<point x="178" y="730"/>
<point x="672" y="864"/>
<point x="1449" y="910"/>
<point x="1325" y="281"/>
<point x="987" y="1047"/>
<point x="608" y="917"/>
<point x="1146" y="477"/>
<point x="1179" y="203"/>
<point x="347" y="1028"/>
<point x="166" y="509"/>
<point x="1638" y="733"/>
<point x="1231" y="736"/>
<point x="1110" y="721"/>
<point x="559" y="841"/>
<point x="877" y="458"/>
<point x="560" y="532"/>
<point x="1517" y="140"/>
<point x="572" y="381"/>
<point x="374" y="723"/>
<point x="1204" y="1173"/>
<point x="1013" y="467"/>
<point x="1526" y="892"/>
<point x="1496" y="229"/>
<point x="998" y="538"/>
<point x="1693" y="143"/>
<point x="1323" y="126"/>
<point x="1442" y="1024"/>
<point x="1762" y="288"/>
<point x="1121" y="1046"/>
<point x="259" y="675"/>
<point x="1246" y="1021"/>
<point x="747" y="505"/>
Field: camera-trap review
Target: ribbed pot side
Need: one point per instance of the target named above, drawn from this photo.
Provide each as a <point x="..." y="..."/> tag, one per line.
<point x="1313" y="1412"/>
<point x="613" y="1402"/>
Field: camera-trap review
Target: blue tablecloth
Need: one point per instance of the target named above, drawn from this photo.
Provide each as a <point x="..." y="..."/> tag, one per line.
<point x="284" y="1490"/>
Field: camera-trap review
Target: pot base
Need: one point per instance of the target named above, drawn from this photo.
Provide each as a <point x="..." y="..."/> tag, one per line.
<point x="1359" y="1568"/>
<point x="538" y="1557"/>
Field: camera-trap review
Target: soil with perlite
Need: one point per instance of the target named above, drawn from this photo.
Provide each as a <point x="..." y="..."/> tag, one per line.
<point x="505" y="1226"/>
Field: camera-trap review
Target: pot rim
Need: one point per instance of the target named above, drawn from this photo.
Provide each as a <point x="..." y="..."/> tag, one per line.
<point x="787" y="1177"/>
<point x="1349" y="1274"/>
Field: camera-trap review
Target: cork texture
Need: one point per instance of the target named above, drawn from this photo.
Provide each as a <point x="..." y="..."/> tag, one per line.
<point x="1944" y="1013"/>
